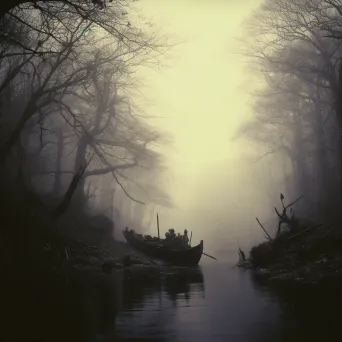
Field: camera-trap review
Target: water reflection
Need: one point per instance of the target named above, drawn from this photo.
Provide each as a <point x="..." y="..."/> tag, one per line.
<point x="184" y="282"/>
<point x="211" y="304"/>
<point x="171" y="281"/>
<point x="307" y="312"/>
<point x="150" y="304"/>
<point x="235" y="306"/>
<point x="85" y="308"/>
<point x="51" y="308"/>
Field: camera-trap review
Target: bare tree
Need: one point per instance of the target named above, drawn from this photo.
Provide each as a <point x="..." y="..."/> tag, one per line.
<point x="57" y="31"/>
<point x="109" y="129"/>
<point x="82" y="7"/>
<point x="297" y="111"/>
<point x="73" y="62"/>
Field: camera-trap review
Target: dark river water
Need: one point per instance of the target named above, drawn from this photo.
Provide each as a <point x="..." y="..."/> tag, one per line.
<point x="211" y="303"/>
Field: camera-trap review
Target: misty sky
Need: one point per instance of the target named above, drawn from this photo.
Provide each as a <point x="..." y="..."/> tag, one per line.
<point x="201" y="94"/>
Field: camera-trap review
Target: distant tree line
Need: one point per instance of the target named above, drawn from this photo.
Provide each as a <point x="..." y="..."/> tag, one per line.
<point x="295" y="46"/>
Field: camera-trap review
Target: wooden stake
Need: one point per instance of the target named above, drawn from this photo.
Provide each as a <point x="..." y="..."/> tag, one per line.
<point x="158" y="226"/>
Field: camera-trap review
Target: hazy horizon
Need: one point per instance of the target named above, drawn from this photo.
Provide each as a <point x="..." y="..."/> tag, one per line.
<point x="200" y="93"/>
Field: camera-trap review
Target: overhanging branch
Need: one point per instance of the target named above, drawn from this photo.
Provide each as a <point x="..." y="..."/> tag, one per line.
<point x="104" y="171"/>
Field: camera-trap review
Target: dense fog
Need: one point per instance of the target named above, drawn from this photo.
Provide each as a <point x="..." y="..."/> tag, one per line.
<point x="203" y="113"/>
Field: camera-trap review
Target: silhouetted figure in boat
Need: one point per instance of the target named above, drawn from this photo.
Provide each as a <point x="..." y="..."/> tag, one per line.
<point x="185" y="238"/>
<point x="172" y="234"/>
<point x="178" y="241"/>
<point x="172" y="240"/>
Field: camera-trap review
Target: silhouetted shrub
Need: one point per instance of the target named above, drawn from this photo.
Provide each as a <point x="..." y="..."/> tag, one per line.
<point x="262" y="255"/>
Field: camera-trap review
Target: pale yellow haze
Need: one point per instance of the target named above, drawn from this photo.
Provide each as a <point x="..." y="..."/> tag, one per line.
<point x="200" y="95"/>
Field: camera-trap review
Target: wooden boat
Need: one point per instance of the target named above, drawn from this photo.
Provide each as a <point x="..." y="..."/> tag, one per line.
<point x="156" y="249"/>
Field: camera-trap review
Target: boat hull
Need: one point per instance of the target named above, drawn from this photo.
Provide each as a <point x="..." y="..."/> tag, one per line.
<point x="186" y="257"/>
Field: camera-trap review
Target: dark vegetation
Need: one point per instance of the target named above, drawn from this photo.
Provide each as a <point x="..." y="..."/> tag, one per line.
<point x="78" y="159"/>
<point x="295" y="49"/>
<point x="78" y="162"/>
<point x="300" y="251"/>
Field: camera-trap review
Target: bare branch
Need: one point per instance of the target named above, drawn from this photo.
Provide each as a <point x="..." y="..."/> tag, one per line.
<point x="294" y="202"/>
<point x="262" y="227"/>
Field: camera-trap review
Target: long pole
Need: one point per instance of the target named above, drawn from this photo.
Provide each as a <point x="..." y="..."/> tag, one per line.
<point x="190" y="238"/>
<point x="158" y="226"/>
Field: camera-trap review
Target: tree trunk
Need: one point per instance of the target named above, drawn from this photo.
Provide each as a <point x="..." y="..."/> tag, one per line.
<point x="338" y="109"/>
<point x="57" y="185"/>
<point x="6" y="148"/>
<point x="14" y="137"/>
<point x="322" y="162"/>
<point x="80" y="161"/>
<point x="302" y="176"/>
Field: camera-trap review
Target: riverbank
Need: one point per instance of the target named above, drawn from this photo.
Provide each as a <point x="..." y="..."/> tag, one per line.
<point x="73" y="255"/>
<point x="35" y="243"/>
<point x="72" y="288"/>
<point x="311" y="255"/>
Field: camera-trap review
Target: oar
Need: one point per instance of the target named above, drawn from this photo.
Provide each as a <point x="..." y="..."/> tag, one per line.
<point x="209" y="256"/>
<point x="203" y="252"/>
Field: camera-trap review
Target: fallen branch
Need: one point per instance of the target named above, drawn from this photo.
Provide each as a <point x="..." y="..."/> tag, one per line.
<point x="267" y="235"/>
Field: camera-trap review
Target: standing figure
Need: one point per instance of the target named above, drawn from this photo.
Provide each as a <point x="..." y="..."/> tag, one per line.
<point x="185" y="238"/>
